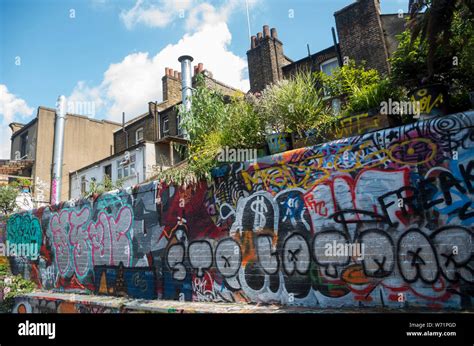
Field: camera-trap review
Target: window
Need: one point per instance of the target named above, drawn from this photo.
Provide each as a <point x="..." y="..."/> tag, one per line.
<point x="83" y="184"/>
<point x="108" y="171"/>
<point x="166" y="127"/>
<point x="329" y="65"/>
<point x="23" y="144"/>
<point x="126" y="167"/>
<point x="139" y="135"/>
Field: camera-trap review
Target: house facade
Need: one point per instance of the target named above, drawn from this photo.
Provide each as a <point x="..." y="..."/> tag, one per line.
<point x="364" y="33"/>
<point x="86" y="140"/>
<point x="129" y="167"/>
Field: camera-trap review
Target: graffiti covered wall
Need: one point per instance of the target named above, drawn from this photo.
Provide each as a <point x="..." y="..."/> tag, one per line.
<point x="260" y="232"/>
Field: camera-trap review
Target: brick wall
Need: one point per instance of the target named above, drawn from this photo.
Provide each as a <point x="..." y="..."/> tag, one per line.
<point x="171" y="86"/>
<point x="361" y="35"/>
<point x="146" y="122"/>
<point x="265" y="59"/>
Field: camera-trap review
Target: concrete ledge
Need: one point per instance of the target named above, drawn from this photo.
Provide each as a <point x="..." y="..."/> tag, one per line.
<point x="51" y="302"/>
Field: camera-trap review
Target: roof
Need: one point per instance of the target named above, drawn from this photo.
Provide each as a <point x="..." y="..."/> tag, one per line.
<point x="312" y="57"/>
<point x="26" y="126"/>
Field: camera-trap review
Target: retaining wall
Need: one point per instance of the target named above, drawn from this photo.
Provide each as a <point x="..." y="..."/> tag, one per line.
<point x="260" y="232"/>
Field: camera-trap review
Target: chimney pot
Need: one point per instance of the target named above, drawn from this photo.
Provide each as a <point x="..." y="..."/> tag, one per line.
<point x="175" y="74"/>
<point x="259" y="36"/>
<point x="200" y="67"/>
<point x="179" y="75"/>
<point x="171" y="72"/>
<point x="266" y="31"/>
<point x="273" y="32"/>
<point x="167" y="71"/>
<point x="195" y="69"/>
<point x="253" y="41"/>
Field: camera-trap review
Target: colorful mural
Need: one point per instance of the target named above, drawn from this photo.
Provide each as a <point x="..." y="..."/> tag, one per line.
<point x="261" y="231"/>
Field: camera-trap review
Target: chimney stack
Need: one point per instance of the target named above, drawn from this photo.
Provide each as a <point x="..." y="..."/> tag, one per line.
<point x="171" y="85"/>
<point x="265" y="59"/>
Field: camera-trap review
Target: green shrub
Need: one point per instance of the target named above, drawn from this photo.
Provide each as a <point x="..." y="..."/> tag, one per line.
<point x="295" y="105"/>
<point x="347" y="80"/>
<point x="371" y="96"/>
<point x="13" y="286"/>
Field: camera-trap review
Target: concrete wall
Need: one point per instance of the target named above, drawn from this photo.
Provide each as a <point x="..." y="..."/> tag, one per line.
<point x="260" y="233"/>
<point x="85" y="141"/>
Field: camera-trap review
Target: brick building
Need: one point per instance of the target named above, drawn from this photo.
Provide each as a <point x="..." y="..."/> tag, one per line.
<point x="364" y="35"/>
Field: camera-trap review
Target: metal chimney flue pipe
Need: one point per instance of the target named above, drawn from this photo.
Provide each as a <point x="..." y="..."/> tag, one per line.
<point x="186" y="84"/>
<point x="59" y="130"/>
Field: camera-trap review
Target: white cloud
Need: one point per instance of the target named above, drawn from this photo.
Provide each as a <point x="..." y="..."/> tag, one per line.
<point x="155" y="13"/>
<point x="129" y="85"/>
<point x="12" y="108"/>
<point x="196" y="14"/>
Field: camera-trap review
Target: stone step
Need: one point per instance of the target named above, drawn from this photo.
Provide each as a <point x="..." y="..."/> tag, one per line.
<point x="52" y="302"/>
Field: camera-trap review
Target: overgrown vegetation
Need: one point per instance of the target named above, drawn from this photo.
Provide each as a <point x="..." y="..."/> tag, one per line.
<point x="362" y="88"/>
<point x="8" y="195"/>
<point x="299" y="105"/>
<point x="438" y="47"/>
<point x="243" y="121"/>
<point x="98" y="188"/>
<point x="11" y="287"/>
<point x="295" y="105"/>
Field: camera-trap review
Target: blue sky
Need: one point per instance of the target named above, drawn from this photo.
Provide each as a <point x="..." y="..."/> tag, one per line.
<point x="112" y="53"/>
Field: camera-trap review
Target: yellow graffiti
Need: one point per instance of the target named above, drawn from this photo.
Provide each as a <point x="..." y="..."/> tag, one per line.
<point x="411" y="151"/>
<point x="284" y="177"/>
<point x="426" y="104"/>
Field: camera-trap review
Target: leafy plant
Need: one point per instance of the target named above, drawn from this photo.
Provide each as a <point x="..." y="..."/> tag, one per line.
<point x="20" y="182"/>
<point x="347" y="80"/>
<point x="106" y="185"/>
<point x="371" y="96"/>
<point x="207" y="114"/>
<point x="454" y="60"/>
<point x="13" y="286"/>
<point x="295" y="105"/>
<point x="408" y="62"/>
<point x="435" y="26"/>
<point x="244" y="128"/>
<point x="8" y="195"/>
